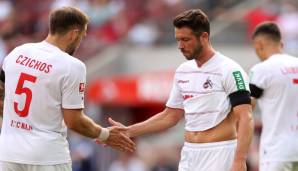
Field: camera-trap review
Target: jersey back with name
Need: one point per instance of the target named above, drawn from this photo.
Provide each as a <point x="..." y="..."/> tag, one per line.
<point x="278" y="77"/>
<point x="40" y="80"/>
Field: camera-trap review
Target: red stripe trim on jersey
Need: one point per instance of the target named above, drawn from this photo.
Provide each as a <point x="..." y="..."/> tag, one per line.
<point x="202" y="92"/>
<point x="198" y="72"/>
<point x="295" y="81"/>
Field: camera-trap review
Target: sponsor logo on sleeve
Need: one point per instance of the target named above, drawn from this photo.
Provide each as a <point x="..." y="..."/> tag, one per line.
<point x="81" y="87"/>
<point x="239" y="80"/>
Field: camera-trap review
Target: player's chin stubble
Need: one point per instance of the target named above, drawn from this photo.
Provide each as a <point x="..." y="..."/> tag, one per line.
<point x="196" y="53"/>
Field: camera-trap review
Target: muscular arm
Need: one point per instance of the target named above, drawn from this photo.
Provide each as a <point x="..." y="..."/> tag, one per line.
<point x="77" y="121"/>
<point x="161" y="121"/>
<point x="243" y="115"/>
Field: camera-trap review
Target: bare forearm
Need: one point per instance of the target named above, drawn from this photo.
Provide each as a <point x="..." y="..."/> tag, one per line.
<point x="158" y="122"/>
<point x="86" y="126"/>
<point x="244" y="137"/>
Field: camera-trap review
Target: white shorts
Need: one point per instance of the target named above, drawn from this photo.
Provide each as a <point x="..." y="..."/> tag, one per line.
<point x="213" y="156"/>
<point x="9" y="166"/>
<point x="279" y="166"/>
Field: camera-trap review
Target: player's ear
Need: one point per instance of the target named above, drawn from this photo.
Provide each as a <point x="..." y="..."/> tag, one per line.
<point x="204" y="36"/>
<point x="73" y="34"/>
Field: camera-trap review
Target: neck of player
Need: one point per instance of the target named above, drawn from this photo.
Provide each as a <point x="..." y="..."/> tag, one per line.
<point x="206" y="54"/>
<point x="57" y="41"/>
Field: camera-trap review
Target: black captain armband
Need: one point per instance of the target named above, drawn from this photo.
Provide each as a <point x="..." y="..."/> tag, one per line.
<point x="2" y="76"/>
<point x="256" y="92"/>
<point x="240" y="97"/>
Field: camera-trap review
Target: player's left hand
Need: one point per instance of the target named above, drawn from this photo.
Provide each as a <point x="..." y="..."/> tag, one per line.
<point x="118" y="139"/>
<point x="239" y="166"/>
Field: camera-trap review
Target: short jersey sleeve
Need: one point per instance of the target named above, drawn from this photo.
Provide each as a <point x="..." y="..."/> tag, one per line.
<point x="235" y="79"/>
<point x="236" y="86"/>
<point x="73" y="87"/>
<point x="176" y="99"/>
<point x="257" y="77"/>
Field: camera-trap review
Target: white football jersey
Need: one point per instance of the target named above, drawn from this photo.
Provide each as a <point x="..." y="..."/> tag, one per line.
<point x="278" y="77"/>
<point x="40" y="80"/>
<point x="203" y="92"/>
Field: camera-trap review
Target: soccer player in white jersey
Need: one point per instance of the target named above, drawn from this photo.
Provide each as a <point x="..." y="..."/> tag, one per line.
<point x="212" y="92"/>
<point x="44" y="93"/>
<point x="274" y="86"/>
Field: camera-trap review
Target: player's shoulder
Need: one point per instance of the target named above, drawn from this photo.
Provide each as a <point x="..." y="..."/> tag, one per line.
<point x="25" y="46"/>
<point x="186" y="66"/>
<point x="17" y="50"/>
<point x="271" y="63"/>
<point x="74" y="63"/>
<point x="227" y="64"/>
<point x="291" y="59"/>
<point x="259" y="67"/>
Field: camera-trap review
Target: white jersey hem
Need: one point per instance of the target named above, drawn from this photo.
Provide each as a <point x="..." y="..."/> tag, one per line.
<point x="36" y="163"/>
<point x="175" y="107"/>
<point x="279" y="160"/>
<point x="79" y="106"/>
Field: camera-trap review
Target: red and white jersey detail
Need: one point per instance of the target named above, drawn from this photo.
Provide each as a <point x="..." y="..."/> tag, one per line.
<point x="40" y="81"/>
<point x="278" y="76"/>
<point x="203" y="91"/>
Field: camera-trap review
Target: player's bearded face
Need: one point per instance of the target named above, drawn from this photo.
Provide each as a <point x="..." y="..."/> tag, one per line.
<point x="189" y="44"/>
<point x="196" y="52"/>
<point x="193" y="50"/>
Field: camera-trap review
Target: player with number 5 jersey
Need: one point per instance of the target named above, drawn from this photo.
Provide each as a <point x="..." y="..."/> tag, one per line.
<point x="32" y="113"/>
<point x="44" y="93"/>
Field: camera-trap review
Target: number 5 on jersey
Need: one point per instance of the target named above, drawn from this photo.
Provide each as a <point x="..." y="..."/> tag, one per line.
<point x="27" y="91"/>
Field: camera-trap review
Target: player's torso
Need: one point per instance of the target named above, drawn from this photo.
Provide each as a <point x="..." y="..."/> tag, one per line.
<point x="202" y="87"/>
<point x="32" y="89"/>
<point x="279" y="103"/>
<point x="32" y="107"/>
<point x="279" y="108"/>
<point x="205" y="100"/>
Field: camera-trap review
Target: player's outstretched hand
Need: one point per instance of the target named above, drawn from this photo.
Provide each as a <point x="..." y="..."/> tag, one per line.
<point x="114" y="123"/>
<point x="119" y="140"/>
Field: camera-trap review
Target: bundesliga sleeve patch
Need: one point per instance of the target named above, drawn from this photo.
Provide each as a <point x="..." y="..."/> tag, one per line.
<point x="239" y="80"/>
<point x="82" y="87"/>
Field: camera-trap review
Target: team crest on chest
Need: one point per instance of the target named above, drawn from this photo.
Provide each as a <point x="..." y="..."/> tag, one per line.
<point x="208" y="84"/>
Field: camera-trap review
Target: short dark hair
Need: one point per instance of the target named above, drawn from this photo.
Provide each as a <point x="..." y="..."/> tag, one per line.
<point x="269" y="29"/>
<point x="195" y="19"/>
<point x="66" y="18"/>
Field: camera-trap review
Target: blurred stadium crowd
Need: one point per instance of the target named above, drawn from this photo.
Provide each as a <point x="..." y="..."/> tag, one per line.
<point x="141" y="22"/>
